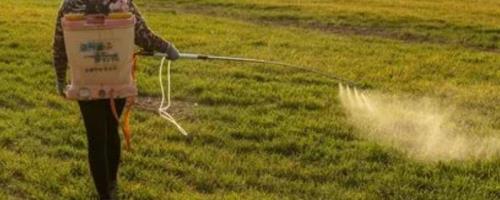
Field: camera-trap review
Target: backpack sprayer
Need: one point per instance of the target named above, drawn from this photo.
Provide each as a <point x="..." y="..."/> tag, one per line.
<point x="166" y="102"/>
<point x="101" y="57"/>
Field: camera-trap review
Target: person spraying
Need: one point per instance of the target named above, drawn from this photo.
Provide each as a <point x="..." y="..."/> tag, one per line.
<point x="95" y="40"/>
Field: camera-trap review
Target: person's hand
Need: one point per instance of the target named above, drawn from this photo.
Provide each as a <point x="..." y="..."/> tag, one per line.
<point x="172" y="52"/>
<point x="60" y="89"/>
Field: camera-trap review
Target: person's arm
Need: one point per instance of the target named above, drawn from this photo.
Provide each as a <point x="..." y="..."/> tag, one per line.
<point x="59" y="53"/>
<point x="149" y="41"/>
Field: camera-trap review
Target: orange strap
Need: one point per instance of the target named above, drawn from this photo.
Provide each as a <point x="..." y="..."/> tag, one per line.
<point x="126" y="120"/>
<point x="127" y="112"/>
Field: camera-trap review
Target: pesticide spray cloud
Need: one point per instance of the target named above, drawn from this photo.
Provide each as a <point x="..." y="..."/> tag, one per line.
<point x="419" y="128"/>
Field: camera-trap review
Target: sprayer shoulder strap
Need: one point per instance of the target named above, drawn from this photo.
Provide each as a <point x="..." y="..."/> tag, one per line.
<point x="125" y="125"/>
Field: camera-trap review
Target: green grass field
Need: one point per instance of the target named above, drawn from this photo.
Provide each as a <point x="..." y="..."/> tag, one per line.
<point x="261" y="132"/>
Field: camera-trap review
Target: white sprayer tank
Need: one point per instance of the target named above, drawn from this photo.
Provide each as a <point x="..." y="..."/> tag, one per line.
<point x="100" y="52"/>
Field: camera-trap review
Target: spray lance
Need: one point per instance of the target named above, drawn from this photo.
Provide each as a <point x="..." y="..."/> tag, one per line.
<point x="166" y="103"/>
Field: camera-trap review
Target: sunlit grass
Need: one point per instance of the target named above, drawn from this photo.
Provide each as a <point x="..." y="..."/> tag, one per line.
<point x="474" y="25"/>
<point x="260" y="132"/>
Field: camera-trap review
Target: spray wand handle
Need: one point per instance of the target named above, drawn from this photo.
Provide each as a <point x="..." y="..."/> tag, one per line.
<point x="181" y="55"/>
<point x="191" y="56"/>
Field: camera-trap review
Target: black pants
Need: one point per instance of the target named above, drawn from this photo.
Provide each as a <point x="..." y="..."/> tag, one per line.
<point x="104" y="147"/>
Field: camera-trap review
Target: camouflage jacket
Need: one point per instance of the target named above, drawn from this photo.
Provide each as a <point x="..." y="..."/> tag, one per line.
<point x="144" y="37"/>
